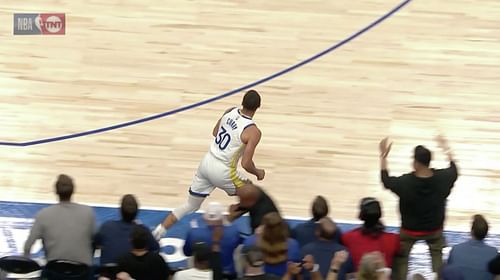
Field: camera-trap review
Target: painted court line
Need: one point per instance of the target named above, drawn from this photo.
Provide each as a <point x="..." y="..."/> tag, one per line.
<point x="215" y="98"/>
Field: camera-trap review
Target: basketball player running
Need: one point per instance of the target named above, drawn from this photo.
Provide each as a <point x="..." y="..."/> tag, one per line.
<point x="236" y="135"/>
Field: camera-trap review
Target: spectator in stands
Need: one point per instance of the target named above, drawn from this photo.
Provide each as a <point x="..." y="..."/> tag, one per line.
<point x="140" y="263"/>
<point x="255" y="201"/>
<point x="324" y="249"/>
<point x="472" y="257"/>
<point x="372" y="267"/>
<point x="422" y="202"/>
<point x="254" y="265"/>
<point x="338" y="260"/>
<point x="202" y="266"/>
<point x="67" y="229"/>
<point x="202" y="230"/>
<point x="451" y="272"/>
<point x="277" y="248"/>
<point x="306" y="232"/>
<point x="371" y="237"/>
<point x="207" y="259"/>
<point x="294" y="270"/>
<point x="494" y="266"/>
<point x="114" y="236"/>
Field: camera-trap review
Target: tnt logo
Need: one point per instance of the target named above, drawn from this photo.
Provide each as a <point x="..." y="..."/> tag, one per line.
<point x="52" y="24"/>
<point x="39" y="24"/>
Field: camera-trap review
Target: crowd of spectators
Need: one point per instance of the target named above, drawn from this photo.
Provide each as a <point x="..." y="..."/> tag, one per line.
<point x="315" y="249"/>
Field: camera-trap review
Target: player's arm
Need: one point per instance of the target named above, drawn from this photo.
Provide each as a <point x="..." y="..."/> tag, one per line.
<point x="251" y="138"/>
<point x="216" y="127"/>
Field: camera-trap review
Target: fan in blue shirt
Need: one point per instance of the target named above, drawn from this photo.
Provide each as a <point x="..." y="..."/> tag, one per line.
<point x="114" y="236"/>
<point x="325" y="248"/>
<point x="306" y="232"/>
<point x="472" y="257"/>
<point x="201" y="232"/>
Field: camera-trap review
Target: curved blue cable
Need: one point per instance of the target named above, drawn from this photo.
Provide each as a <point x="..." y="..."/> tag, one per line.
<point x="215" y="98"/>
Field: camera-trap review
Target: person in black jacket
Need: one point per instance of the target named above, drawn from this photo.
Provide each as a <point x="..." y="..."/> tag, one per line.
<point x="254" y="201"/>
<point x="494" y="266"/>
<point x="422" y="202"/>
<point x="140" y="263"/>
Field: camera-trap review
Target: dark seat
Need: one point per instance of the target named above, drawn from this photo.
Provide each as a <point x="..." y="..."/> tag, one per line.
<point x="18" y="267"/>
<point x="67" y="270"/>
<point x="108" y="270"/>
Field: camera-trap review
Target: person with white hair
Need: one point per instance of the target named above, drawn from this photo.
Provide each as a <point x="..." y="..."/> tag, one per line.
<point x="372" y="267"/>
<point x="201" y="232"/>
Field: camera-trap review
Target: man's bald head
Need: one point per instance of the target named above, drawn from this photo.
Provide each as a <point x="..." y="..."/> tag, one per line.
<point x="326" y="229"/>
<point x="248" y="195"/>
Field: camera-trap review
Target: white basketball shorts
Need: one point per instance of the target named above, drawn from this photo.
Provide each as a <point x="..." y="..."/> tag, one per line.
<point x="214" y="173"/>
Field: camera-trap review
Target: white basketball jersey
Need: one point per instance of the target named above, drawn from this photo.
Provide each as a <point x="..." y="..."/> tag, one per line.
<point x="227" y="146"/>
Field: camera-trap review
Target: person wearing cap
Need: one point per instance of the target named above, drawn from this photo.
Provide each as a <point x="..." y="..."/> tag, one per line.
<point x="113" y="237"/>
<point x="67" y="229"/>
<point x="202" y="230"/>
<point x="422" y="202"/>
<point x="371" y="236"/>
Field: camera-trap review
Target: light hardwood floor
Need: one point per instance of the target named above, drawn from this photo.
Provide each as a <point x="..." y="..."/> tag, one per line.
<point x="432" y="68"/>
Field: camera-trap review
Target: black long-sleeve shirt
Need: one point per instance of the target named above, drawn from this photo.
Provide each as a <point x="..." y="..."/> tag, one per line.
<point x="263" y="206"/>
<point x="422" y="201"/>
<point x="494" y="265"/>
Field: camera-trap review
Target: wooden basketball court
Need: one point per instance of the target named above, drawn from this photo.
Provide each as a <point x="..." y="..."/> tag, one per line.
<point x="431" y="68"/>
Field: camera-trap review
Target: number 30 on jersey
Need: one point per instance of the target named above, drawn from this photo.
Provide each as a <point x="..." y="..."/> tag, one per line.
<point x="223" y="138"/>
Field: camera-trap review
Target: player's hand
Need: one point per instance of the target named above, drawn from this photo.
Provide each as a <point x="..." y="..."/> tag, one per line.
<point x="260" y="174"/>
<point x="384" y="147"/>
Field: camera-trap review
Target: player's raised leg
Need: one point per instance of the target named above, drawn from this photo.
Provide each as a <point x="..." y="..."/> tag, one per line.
<point x="192" y="205"/>
<point x="200" y="188"/>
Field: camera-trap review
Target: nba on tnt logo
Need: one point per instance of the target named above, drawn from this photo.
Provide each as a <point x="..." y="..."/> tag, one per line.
<point x="39" y="24"/>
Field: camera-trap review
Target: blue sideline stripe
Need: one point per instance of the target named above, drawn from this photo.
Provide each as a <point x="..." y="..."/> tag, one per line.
<point x="215" y="98"/>
<point x="16" y="220"/>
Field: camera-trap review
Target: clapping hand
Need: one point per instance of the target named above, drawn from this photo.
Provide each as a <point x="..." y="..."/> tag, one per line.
<point x="339" y="258"/>
<point x="384" y="147"/>
<point x="442" y="142"/>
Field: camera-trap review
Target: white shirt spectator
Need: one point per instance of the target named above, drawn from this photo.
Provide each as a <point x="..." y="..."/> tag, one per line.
<point x="193" y="274"/>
